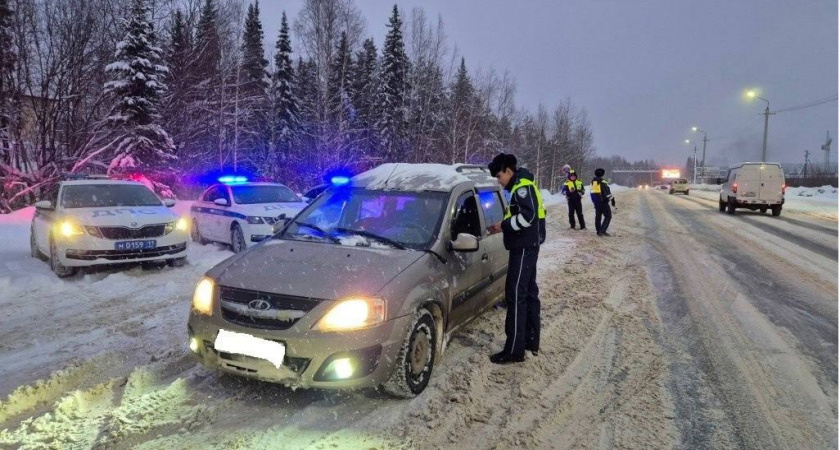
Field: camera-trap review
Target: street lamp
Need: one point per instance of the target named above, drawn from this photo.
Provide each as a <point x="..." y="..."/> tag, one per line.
<point x="688" y="141"/>
<point x="767" y="113"/>
<point x="703" y="158"/>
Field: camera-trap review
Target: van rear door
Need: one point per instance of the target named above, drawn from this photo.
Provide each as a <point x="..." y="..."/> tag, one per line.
<point x="772" y="179"/>
<point x="749" y="181"/>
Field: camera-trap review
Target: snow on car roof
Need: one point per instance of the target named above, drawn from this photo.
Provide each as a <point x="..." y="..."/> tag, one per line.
<point x="420" y="177"/>
<point x="99" y="181"/>
<point x="736" y="166"/>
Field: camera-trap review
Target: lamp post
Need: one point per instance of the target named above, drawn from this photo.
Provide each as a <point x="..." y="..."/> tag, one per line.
<point x="688" y="141"/>
<point x="767" y="113"/>
<point x="703" y="157"/>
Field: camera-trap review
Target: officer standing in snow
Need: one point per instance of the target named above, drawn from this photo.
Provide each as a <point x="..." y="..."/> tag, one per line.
<point x="573" y="190"/>
<point x="523" y="231"/>
<point x="601" y="197"/>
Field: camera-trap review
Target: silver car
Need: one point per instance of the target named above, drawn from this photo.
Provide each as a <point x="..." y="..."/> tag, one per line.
<point x="364" y="287"/>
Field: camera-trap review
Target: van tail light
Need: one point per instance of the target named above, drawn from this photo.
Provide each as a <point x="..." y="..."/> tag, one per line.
<point x="734" y="188"/>
<point x="784" y="188"/>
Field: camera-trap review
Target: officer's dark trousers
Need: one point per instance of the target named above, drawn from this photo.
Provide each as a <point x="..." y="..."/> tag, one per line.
<point x="575" y="207"/>
<point x="522" y="324"/>
<point x="603" y="216"/>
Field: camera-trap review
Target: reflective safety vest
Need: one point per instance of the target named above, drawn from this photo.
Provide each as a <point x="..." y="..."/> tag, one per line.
<point x="576" y="185"/>
<point x="522" y="182"/>
<point x="596" y="187"/>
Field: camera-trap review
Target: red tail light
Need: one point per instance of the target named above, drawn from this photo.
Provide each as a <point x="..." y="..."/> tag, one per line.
<point x="784" y="188"/>
<point x="734" y="188"/>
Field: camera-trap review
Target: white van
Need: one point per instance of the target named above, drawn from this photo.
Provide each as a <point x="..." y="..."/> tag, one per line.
<point x="754" y="186"/>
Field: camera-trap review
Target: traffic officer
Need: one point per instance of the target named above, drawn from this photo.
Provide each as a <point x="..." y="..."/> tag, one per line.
<point x="523" y="231"/>
<point x="573" y="190"/>
<point x="601" y="198"/>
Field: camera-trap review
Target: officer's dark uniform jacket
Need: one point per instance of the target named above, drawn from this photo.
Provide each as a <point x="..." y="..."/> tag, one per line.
<point x="524" y="224"/>
<point x="573" y="188"/>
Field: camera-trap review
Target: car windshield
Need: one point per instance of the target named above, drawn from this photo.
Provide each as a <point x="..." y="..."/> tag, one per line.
<point x="246" y="195"/>
<point x="107" y="195"/>
<point x="361" y="217"/>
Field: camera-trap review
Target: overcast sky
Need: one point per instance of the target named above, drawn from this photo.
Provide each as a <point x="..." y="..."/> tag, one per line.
<point x="649" y="70"/>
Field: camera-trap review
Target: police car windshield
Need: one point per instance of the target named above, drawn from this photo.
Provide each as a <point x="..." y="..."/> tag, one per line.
<point x="247" y="195"/>
<point x="108" y="195"/>
<point x="410" y="219"/>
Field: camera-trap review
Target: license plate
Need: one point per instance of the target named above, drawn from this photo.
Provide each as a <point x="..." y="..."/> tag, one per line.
<point x="135" y="245"/>
<point x="749" y="194"/>
<point x="245" y="344"/>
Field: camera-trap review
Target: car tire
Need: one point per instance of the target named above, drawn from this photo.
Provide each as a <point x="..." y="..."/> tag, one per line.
<point x="177" y="262"/>
<point x="730" y="206"/>
<point x="686" y="192"/>
<point x="60" y="270"/>
<point x="416" y="360"/>
<point x="237" y="239"/>
<point x="777" y="210"/>
<point x="762" y="210"/>
<point x="195" y="234"/>
<point x="721" y="205"/>
<point x="671" y="192"/>
<point x="33" y="248"/>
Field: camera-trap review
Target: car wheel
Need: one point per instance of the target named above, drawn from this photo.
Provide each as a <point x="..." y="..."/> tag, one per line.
<point x="237" y="239"/>
<point x="763" y="209"/>
<point x="777" y="210"/>
<point x="60" y="270"/>
<point x="195" y="234"/>
<point x="671" y="192"/>
<point x="721" y="205"/>
<point x="177" y="262"/>
<point x="730" y="206"/>
<point x="33" y="248"/>
<point x="416" y="359"/>
<point x="686" y="192"/>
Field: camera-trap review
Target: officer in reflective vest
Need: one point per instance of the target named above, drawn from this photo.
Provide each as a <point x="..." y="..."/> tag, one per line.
<point x="573" y="190"/>
<point x="523" y="230"/>
<point x="601" y="198"/>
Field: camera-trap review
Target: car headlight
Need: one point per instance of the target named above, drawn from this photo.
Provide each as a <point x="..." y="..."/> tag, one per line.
<point x="68" y="228"/>
<point x="202" y="301"/>
<point x="352" y="314"/>
<point x="180" y="225"/>
<point x="254" y="220"/>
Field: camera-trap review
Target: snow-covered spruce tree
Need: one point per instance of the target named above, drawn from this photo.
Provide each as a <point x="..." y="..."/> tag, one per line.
<point x="392" y="92"/>
<point x="364" y="96"/>
<point x="252" y="112"/>
<point x="285" y="108"/>
<point x="180" y="81"/>
<point x="253" y="56"/>
<point x="338" y="91"/>
<point x="138" y="74"/>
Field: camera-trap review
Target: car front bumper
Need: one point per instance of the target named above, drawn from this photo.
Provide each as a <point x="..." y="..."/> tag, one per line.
<point x="372" y="351"/>
<point x="86" y="250"/>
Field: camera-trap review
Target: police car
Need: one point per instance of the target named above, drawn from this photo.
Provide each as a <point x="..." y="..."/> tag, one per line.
<point x="94" y="221"/>
<point x="242" y="213"/>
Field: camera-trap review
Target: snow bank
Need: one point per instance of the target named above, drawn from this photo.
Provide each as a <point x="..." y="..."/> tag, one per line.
<point x="824" y="193"/>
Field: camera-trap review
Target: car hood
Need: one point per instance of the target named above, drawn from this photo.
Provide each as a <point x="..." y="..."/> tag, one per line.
<point x="125" y="216"/>
<point x="290" y="209"/>
<point x="313" y="270"/>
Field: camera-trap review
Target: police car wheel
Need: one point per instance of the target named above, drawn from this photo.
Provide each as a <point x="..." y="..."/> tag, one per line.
<point x="195" y="234"/>
<point x="237" y="239"/>
<point x="33" y="248"/>
<point x="177" y="262"/>
<point x="60" y="270"/>
<point x="416" y="359"/>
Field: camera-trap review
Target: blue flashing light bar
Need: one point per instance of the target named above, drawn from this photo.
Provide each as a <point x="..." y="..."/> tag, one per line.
<point x="339" y="180"/>
<point x="231" y="179"/>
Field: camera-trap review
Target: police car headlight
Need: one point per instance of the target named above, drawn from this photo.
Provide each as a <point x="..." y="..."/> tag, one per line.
<point x="254" y="220"/>
<point x="352" y="314"/>
<point x="202" y="302"/>
<point x="181" y="224"/>
<point x="68" y="228"/>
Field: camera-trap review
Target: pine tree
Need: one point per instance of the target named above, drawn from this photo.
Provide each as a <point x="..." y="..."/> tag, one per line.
<point x="393" y="90"/>
<point x="138" y="75"/>
<point x="364" y="96"/>
<point x="285" y="109"/>
<point x="338" y="86"/>
<point x="207" y="43"/>
<point x="253" y="57"/>
<point x="461" y="107"/>
<point x="180" y="80"/>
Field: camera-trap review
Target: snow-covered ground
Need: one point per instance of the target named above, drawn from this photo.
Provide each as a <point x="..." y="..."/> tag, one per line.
<point x="820" y="202"/>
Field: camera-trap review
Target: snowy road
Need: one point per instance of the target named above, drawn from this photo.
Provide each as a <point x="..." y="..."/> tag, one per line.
<point x="688" y="329"/>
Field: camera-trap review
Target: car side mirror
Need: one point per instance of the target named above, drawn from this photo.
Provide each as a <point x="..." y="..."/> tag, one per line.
<point x="168" y="202"/>
<point x="221" y="202"/>
<point x="281" y="222"/>
<point x="464" y="242"/>
<point x="44" y="205"/>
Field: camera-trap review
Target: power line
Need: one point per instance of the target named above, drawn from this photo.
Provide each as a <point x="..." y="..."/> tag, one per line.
<point x="833" y="98"/>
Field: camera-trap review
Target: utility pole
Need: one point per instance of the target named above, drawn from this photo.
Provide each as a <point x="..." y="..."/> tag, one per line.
<point x="695" y="164"/>
<point x="807" y="160"/>
<point x="703" y="158"/>
<point x="766" y="121"/>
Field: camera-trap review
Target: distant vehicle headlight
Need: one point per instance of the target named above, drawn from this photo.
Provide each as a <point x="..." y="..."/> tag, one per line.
<point x="254" y="220"/>
<point x="68" y="228"/>
<point x="352" y="314"/>
<point x="202" y="302"/>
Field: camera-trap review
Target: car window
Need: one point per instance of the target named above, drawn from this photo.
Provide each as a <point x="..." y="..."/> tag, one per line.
<point x="409" y="218"/>
<point x="247" y="195"/>
<point x="491" y="204"/>
<point x="107" y="195"/>
<point x="215" y="193"/>
<point x="465" y="218"/>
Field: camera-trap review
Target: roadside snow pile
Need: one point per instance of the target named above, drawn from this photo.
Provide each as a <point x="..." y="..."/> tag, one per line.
<point x="705" y="187"/>
<point x="824" y="193"/>
<point x="550" y="199"/>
